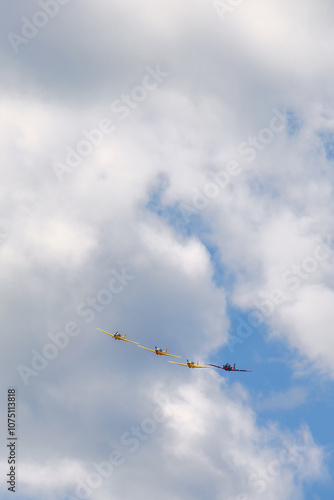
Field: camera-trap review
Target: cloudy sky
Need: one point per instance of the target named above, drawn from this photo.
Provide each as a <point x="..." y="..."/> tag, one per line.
<point x="167" y="171"/>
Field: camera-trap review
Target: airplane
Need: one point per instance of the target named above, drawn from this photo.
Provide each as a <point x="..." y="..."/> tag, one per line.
<point x="227" y="367"/>
<point x="190" y="364"/>
<point x="118" y="336"/>
<point x="159" y="352"/>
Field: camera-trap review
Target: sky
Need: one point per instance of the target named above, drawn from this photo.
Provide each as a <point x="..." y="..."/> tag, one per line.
<point x="167" y="171"/>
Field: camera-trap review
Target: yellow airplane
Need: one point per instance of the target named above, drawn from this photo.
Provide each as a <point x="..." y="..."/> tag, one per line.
<point x="159" y="352"/>
<point x="190" y="364"/>
<point x="118" y="336"/>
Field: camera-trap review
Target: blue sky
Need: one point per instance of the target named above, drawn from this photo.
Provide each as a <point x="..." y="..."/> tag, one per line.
<point x="169" y="174"/>
<point x="277" y="393"/>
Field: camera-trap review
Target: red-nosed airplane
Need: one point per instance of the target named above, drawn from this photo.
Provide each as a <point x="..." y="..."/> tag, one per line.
<point x="159" y="352"/>
<point x="118" y="336"/>
<point x="228" y="368"/>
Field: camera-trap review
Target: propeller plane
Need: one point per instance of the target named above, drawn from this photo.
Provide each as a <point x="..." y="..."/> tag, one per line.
<point x="190" y="364"/>
<point x="227" y="367"/>
<point x="159" y="352"/>
<point x="118" y="336"/>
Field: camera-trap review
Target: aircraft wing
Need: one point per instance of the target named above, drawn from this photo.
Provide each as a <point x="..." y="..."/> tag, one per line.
<point x="120" y="338"/>
<point x="112" y="335"/>
<point x="147" y="349"/>
<point x="196" y="366"/>
<point x="216" y="366"/>
<point x="172" y="355"/>
<point x="175" y="363"/>
<point x="235" y="370"/>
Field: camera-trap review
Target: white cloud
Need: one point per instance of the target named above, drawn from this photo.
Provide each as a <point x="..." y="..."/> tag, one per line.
<point x="307" y="323"/>
<point x="189" y="256"/>
<point x="63" y="238"/>
<point x="284" y="400"/>
<point x="202" y="433"/>
<point x="279" y="34"/>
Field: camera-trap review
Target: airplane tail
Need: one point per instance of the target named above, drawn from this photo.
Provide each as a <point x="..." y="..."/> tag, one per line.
<point x="234" y="366"/>
<point x="166" y="351"/>
<point x="125" y="335"/>
<point x="198" y="362"/>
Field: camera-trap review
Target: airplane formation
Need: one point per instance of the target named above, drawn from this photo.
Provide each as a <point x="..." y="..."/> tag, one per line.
<point x="161" y="352"/>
